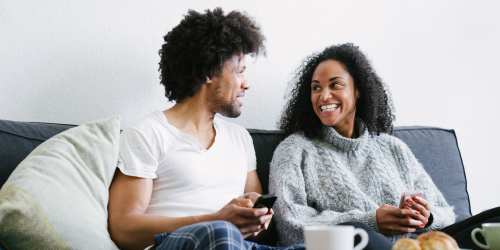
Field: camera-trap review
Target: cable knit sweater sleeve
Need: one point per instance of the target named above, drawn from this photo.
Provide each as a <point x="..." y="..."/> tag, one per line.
<point x="292" y="211"/>
<point x="421" y="182"/>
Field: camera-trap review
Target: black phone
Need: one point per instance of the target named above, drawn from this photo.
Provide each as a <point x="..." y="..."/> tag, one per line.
<point x="265" y="201"/>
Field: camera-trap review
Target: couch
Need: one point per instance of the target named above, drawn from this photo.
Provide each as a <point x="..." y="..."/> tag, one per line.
<point x="435" y="148"/>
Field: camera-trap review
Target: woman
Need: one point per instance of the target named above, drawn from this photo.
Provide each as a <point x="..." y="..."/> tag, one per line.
<point x="339" y="162"/>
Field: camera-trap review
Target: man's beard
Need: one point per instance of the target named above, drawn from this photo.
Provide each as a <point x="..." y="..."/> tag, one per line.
<point x="230" y="110"/>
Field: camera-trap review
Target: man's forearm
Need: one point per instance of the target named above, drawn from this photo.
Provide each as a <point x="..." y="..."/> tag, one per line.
<point x="136" y="231"/>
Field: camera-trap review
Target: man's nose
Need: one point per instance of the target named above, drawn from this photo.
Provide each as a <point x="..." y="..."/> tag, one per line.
<point x="244" y="84"/>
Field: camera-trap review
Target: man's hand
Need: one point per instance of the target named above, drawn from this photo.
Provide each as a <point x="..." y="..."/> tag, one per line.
<point x="394" y="220"/>
<point x="253" y="196"/>
<point x="249" y="220"/>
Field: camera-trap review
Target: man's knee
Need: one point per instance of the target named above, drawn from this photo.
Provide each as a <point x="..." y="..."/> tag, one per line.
<point x="222" y="224"/>
<point x="216" y="234"/>
<point x="219" y="234"/>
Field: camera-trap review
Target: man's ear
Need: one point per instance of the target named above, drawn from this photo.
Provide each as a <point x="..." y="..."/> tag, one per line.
<point x="208" y="80"/>
<point x="356" y="93"/>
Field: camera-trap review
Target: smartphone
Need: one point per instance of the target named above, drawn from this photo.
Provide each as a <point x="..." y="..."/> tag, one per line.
<point x="265" y="201"/>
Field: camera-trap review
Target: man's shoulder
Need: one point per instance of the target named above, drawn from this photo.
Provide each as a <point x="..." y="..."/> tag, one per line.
<point x="148" y="124"/>
<point x="229" y="127"/>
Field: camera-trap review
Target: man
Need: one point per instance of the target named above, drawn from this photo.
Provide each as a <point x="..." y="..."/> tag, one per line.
<point x="186" y="178"/>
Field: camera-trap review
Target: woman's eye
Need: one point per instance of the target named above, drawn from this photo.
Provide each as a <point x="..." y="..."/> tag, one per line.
<point x="315" y="88"/>
<point x="335" y="85"/>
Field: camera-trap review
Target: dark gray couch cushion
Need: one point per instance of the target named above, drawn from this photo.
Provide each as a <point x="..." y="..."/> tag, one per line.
<point x="435" y="148"/>
<point x="18" y="139"/>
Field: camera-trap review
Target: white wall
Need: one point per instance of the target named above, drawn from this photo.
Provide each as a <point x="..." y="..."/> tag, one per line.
<point x="73" y="61"/>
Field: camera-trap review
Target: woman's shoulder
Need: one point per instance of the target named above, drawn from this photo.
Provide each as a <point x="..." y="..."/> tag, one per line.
<point x="293" y="143"/>
<point x="388" y="140"/>
<point x="296" y="139"/>
<point x="292" y="151"/>
<point x="391" y="142"/>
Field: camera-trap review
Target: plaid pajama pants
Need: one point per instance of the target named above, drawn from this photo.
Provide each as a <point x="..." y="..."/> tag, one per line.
<point x="214" y="235"/>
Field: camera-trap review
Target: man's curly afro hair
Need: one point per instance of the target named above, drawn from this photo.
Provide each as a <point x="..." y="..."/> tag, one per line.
<point x="373" y="107"/>
<point x="200" y="44"/>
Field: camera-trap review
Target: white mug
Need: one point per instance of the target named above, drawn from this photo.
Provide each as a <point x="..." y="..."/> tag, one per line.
<point x="491" y="233"/>
<point x="323" y="237"/>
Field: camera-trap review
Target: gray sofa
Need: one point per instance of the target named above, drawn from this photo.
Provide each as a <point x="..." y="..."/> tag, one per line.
<point x="436" y="148"/>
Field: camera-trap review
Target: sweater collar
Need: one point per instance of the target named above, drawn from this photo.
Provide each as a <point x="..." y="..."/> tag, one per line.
<point x="331" y="136"/>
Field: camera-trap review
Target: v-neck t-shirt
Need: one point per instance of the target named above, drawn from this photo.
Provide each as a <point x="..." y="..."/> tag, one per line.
<point x="187" y="178"/>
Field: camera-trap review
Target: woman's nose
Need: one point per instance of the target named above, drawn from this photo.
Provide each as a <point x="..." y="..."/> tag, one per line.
<point x="325" y="95"/>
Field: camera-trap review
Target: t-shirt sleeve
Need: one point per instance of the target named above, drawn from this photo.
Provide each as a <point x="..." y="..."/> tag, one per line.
<point x="137" y="157"/>
<point x="249" y="151"/>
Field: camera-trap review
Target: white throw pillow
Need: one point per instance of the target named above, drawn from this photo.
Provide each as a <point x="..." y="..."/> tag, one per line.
<point x="57" y="197"/>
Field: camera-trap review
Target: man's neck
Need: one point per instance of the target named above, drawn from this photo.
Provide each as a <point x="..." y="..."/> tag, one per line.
<point x="192" y="116"/>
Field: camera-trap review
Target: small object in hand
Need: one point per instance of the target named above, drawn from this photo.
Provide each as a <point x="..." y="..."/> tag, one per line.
<point x="407" y="199"/>
<point x="265" y="201"/>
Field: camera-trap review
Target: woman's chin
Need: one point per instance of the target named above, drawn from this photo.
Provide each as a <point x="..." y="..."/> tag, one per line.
<point x="328" y="123"/>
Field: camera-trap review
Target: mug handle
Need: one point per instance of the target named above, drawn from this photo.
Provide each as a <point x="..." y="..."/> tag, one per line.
<point x="473" y="236"/>
<point x="364" y="238"/>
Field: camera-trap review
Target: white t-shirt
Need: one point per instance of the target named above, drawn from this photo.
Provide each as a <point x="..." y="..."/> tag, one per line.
<point x="187" y="179"/>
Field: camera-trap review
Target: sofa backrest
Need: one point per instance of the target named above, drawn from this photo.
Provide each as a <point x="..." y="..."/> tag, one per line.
<point x="18" y="139"/>
<point x="436" y="149"/>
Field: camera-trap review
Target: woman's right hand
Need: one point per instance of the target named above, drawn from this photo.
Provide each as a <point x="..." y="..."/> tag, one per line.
<point x="247" y="219"/>
<point x="395" y="220"/>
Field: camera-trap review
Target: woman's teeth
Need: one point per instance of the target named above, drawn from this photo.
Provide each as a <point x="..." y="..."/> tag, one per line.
<point x="329" y="107"/>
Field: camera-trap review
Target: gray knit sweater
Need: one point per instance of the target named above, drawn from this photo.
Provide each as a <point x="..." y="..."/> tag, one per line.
<point x="339" y="179"/>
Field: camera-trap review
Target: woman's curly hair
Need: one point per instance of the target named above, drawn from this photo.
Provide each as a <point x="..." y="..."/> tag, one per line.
<point x="198" y="47"/>
<point x="373" y="107"/>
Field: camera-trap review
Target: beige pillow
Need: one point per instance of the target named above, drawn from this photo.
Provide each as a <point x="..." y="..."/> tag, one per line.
<point x="57" y="197"/>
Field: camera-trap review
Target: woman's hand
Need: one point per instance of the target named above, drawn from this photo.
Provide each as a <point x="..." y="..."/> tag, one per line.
<point x="394" y="220"/>
<point x="421" y="206"/>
